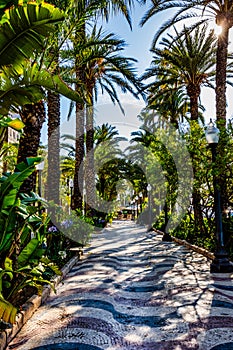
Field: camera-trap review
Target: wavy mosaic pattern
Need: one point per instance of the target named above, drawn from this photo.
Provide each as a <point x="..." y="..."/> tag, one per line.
<point x="132" y="292"/>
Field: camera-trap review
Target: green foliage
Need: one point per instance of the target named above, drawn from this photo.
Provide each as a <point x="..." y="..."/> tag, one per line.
<point x="31" y="272"/>
<point x="78" y="228"/>
<point x="7" y="310"/>
<point x="24" y="86"/>
<point x="23" y="29"/>
<point x="23" y="242"/>
<point x="9" y="202"/>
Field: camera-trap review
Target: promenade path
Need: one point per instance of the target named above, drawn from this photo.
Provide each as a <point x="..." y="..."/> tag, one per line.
<point x="132" y="292"/>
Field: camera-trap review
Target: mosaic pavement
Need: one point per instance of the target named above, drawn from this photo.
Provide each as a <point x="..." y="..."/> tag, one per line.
<point x="132" y="292"/>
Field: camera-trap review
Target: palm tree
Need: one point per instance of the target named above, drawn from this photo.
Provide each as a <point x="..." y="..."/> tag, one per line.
<point x="107" y="154"/>
<point x="103" y="69"/>
<point x="222" y="13"/>
<point x="104" y="10"/>
<point x="107" y="157"/>
<point x="108" y="133"/>
<point x="185" y="61"/>
<point x="53" y="105"/>
<point x="19" y="40"/>
<point x="169" y="104"/>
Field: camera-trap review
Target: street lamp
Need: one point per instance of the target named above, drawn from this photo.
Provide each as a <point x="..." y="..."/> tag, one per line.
<point x="221" y="261"/>
<point x="140" y="201"/>
<point x="149" y="188"/>
<point x="133" y="209"/>
<point x="136" y="199"/>
<point x="71" y="186"/>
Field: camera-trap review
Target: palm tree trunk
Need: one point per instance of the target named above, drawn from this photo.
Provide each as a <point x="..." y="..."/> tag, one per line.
<point x="89" y="164"/>
<point x="193" y="92"/>
<point x="53" y="176"/>
<point x="77" y="198"/>
<point x="33" y="116"/>
<point x="221" y="67"/>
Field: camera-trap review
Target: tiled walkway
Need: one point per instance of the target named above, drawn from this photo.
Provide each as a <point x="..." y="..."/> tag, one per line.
<point x="131" y="292"/>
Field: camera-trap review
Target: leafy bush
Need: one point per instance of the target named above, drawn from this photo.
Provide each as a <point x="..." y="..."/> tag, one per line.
<point x="23" y="261"/>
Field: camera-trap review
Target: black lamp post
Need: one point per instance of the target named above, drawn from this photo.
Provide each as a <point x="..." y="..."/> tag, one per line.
<point x="136" y="199"/>
<point x="133" y="209"/>
<point x="71" y="186"/>
<point x="221" y="261"/>
<point x="140" y="199"/>
<point x="149" y="188"/>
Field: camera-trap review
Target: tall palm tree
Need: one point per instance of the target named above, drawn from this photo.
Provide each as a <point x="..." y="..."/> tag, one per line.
<point x="208" y="10"/>
<point x="104" y="10"/>
<point x="53" y="107"/>
<point x="103" y="69"/>
<point x="33" y="117"/>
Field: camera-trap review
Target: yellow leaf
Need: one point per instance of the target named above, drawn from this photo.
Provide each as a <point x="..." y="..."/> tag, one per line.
<point x="7" y="311"/>
<point x="16" y="124"/>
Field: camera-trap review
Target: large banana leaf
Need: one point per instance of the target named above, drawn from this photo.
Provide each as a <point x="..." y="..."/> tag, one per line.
<point x="27" y="252"/>
<point x="15" y="180"/>
<point x="21" y="87"/>
<point x="8" y="201"/>
<point x="24" y="30"/>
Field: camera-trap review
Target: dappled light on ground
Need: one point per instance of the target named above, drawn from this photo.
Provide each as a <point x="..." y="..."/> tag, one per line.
<point x="132" y="291"/>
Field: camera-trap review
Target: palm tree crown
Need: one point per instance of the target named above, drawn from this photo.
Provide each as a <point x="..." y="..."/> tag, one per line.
<point x="185" y="61"/>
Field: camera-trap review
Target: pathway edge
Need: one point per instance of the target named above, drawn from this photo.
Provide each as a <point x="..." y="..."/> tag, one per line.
<point x="197" y="249"/>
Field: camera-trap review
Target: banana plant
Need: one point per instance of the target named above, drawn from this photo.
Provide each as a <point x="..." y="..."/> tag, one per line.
<point x="31" y="272"/>
<point x="9" y="202"/>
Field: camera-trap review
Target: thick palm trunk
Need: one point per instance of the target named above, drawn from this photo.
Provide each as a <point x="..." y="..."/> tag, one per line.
<point x="221" y="66"/>
<point x="53" y="176"/>
<point x="33" y="116"/>
<point x="89" y="164"/>
<point x="193" y="92"/>
<point x="77" y="199"/>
